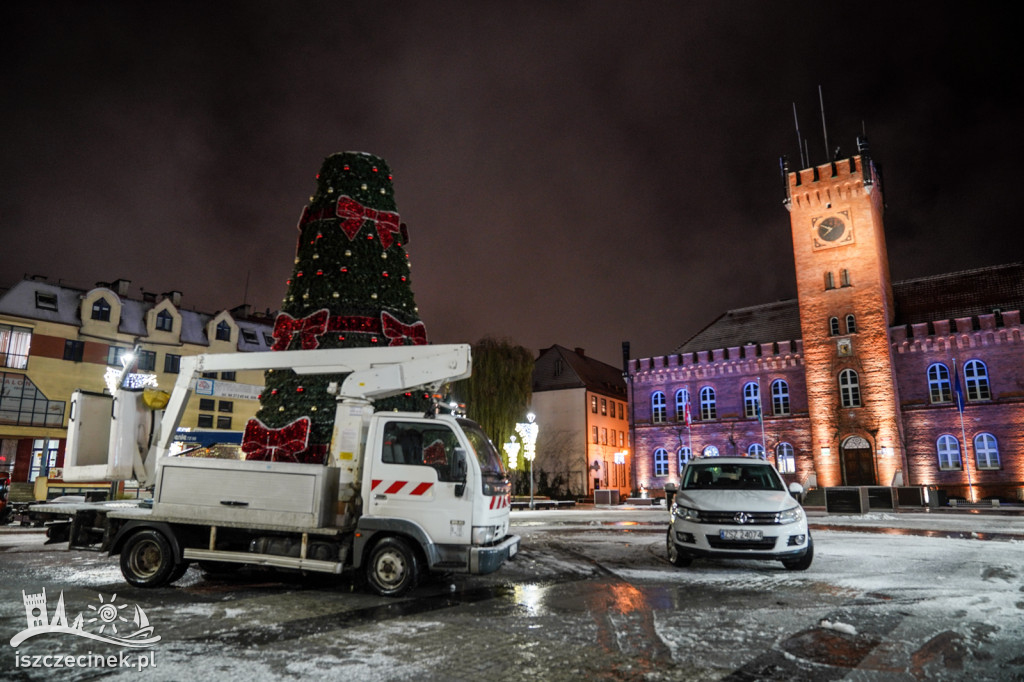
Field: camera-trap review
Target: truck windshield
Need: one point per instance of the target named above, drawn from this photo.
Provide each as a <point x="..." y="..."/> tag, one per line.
<point x="490" y="461"/>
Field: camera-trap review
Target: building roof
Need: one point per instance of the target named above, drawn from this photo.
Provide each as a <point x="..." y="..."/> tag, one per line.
<point x="960" y="294"/>
<point x="778" y="321"/>
<point x="939" y="297"/>
<point x="559" y="368"/>
<point x="21" y="300"/>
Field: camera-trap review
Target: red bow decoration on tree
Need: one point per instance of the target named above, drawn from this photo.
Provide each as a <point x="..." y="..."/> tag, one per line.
<point x="398" y="332"/>
<point x="309" y="327"/>
<point x="353" y="215"/>
<point x="259" y="442"/>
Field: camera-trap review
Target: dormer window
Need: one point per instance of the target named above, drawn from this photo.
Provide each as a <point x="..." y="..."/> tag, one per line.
<point x="101" y="310"/>
<point x="223" y="331"/>
<point x="46" y="301"/>
<point x="164" y="321"/>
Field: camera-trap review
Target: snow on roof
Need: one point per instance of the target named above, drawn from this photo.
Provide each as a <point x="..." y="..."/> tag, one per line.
<point x="34" y="299"/>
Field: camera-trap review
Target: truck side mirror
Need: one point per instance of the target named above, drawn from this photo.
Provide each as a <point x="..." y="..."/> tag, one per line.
<point x="460" y="469"/>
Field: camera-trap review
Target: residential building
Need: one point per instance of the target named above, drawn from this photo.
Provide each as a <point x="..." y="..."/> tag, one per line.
<point x="583" y="418"/>
<point x="55" y="339"/>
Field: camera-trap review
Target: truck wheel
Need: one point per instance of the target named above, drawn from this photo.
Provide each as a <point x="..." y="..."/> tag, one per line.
<point x="393" y="568"/>
<point x="147" y="559"/>
<point x="179" y="570"/>
<point x="676" y="557"/>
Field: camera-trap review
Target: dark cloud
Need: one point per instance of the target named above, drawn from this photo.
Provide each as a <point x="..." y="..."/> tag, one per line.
<point x="578" y="173"/>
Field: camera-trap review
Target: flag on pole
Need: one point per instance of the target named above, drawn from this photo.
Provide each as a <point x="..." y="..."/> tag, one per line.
<point x="686" y="414"/>
<point x="958" y="389"/>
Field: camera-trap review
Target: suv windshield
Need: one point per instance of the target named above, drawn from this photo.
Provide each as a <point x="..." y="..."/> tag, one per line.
<point x="753" y="476"/>
<point x="490" y="461"/>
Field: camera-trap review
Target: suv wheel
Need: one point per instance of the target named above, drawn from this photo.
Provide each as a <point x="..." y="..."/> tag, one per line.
<point x="804" y="562"/>
<point x="676" y="557"/>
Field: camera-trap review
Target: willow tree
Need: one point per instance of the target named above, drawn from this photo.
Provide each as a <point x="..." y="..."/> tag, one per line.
<point x="498" y="393"/>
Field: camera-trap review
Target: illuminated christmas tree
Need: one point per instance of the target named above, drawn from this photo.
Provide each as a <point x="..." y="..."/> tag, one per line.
<point x="350" y="287"/>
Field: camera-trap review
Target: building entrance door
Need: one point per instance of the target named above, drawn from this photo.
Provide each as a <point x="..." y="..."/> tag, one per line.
<point x="858" y="463"/>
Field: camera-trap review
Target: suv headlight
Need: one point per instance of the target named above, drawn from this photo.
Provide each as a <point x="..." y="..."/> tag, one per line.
<point x="791" y="515"/>
<point x="687" y="514"/>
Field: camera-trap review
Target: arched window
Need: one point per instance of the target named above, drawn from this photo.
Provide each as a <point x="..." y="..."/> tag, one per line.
<point x="661" y="462"/>
<point x="938" y="383"/>
<point x="756" y="450"/>
<point x="657" y="407"/>
<point x="682" y="404"/>
<point x="710" y="451"/>
<point x="684" y="457"/>
<point x="849" y="388"/>
<point x="780" y="397"/>
<point x="851" y="324"/>
<point x="223" y="331"/>
<point x="986" y="451"/>
<point x="976" y="378"/>
<point x="751" y="400"/>
<point x="101" y="310"/>
<point x="707" y="404"/>
<point x="833" y="326"/>
<point x="948" y="449"/>
<point x="844" y="278"/>
<point x="785" y="462"/>
<point x="164" y="321"/>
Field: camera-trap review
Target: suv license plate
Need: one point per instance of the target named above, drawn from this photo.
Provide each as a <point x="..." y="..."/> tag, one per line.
<point x="738" y="534"/>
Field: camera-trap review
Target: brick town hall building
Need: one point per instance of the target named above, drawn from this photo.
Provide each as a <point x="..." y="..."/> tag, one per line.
<point x="857" y="379"/>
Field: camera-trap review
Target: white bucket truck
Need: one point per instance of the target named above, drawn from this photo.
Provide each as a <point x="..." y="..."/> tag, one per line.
<point x="400" y="494"/>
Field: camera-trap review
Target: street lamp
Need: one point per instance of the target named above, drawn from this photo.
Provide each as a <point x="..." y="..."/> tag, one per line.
<point x="528" y="432"/>
<point x="512" y="452"/>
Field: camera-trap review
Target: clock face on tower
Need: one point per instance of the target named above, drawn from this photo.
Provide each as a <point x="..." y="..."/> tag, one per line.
<point x="832" y="230"/>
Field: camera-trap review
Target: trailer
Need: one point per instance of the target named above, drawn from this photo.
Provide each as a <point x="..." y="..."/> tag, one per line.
<point x="401" y="495"/>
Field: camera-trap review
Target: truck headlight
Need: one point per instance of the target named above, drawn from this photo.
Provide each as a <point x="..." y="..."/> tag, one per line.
<point x="485" y="535"/>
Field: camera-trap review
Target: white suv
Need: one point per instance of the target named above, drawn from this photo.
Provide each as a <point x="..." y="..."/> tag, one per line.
<point x="738" y="508"/>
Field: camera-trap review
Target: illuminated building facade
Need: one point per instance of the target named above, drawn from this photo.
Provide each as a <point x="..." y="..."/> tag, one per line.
<point x="55" y="339"/>
<point x="581" y="407"/>
<point x="856" y="381"/>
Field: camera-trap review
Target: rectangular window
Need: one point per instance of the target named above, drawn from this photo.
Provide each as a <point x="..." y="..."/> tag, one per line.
<point x="115" y="354"/>
<point x="249" y="336"/>
<point x="223" y="422"/>
<point x="226" y="406"/>
<point x="44" y="457"/>
<point x="172" y="363"/>
<point x="205" y="421"/>
<point x="207" y="404"/>
<point x="604" y="406"/>
<point x="227" y="376"/>
<point x="14" y="346"/>
<point x="74" y="351"/>
<point x="620" y="411"/>
<point x="604" y="436"/>
<point x="593" y="404"/>
<point x="268" y="339"/>
<point x="147" y="360"/>
<point x="594" y="435"/>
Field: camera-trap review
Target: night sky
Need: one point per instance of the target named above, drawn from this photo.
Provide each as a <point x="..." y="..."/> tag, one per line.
<point x="579" y="173"/>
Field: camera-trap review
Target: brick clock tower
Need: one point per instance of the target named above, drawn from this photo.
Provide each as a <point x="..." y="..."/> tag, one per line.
<point x="846" y="308"/>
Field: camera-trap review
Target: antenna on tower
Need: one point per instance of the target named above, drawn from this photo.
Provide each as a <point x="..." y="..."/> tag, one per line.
<point x="824" y="127"/>
<point x="799" y="141"/>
